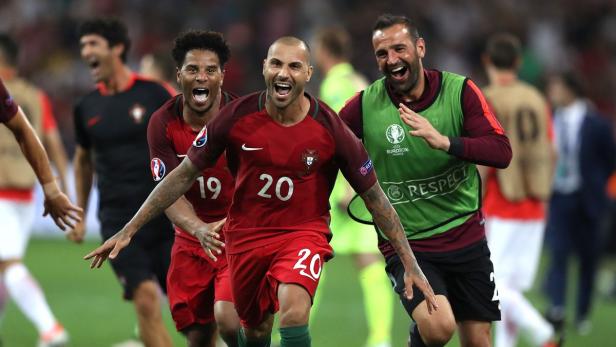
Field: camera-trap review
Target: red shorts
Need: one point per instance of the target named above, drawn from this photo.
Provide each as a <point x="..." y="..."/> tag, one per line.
<point x="195" y="283"/>
<point x="255" y="274"/>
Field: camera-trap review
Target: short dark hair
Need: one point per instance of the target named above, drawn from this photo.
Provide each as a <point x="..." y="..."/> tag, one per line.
<point x="111" y="29"/>
<point x="504" y="50"/>
<point x="388" y="20"/>
<point x="9" y="49"/>
<point x="336" y="41"/>
<point x="200" y="39"/>
<point x="573" y="82"/>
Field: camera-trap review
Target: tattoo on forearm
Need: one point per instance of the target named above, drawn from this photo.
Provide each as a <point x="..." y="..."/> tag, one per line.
<point x="386" y="218"/>
<point x="165" y="194"/>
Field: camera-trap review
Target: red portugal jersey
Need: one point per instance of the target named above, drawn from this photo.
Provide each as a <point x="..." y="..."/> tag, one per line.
<point x="169" y="139"/>
<point x="283" y="174"/>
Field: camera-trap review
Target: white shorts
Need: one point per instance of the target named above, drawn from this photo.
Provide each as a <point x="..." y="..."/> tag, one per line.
<point x="515" y="247"/>
<point x="16" y="218"/>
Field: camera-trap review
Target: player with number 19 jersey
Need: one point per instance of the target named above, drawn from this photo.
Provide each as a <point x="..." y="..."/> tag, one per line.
<point x="278" y="225"/>
<point x="194" y="281"/>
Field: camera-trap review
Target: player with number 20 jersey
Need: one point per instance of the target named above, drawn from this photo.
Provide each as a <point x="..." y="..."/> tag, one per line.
<point x="277" y="230"/>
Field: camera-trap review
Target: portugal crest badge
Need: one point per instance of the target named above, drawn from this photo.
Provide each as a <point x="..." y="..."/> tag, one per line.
<point x="136" y="113"/>
<point x="309" y="158"/>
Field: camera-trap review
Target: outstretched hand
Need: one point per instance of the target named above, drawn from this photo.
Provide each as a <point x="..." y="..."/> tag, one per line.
<point x="63" y="212"/>
<point x="422" y="128"/>
<point x="416" y="278"/>
<point x="109" y="249"/>
<point x="209" y="237"/>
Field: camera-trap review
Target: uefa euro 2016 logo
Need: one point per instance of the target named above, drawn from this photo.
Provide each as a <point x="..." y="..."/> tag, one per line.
<point x="158" y="169"/>
<point x="394" y="134"/>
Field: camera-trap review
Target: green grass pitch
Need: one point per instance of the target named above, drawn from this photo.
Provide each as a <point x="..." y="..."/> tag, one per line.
<point x="88" y="302"/>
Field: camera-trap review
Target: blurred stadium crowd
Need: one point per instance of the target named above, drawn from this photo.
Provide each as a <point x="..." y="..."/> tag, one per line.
<point x="556" y="34"/>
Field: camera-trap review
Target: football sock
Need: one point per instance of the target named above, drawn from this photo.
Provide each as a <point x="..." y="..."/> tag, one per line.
<point x="295" y="336"/>
<point x="29" y="297"/>
<point x="378" y="303"/>
<point x="518" y="312"/>
<point x="416" y="340"/>
<point x="242" y="342"/>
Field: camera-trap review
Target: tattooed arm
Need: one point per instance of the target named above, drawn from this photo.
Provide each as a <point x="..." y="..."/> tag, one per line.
<point x="386" y="218"/>
<point x="164" y="195"/>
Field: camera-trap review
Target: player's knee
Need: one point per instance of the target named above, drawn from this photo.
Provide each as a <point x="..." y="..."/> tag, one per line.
<point x="201" y="336"/>
<point x="259" y="333"/>
<point x="437" y="332"/>
<point x="479" y="338"/>
<point x="226" y="318"/>
<point x="228" y="326"/>
<point x="294" y="316"/>
<point x="146" y="300"/>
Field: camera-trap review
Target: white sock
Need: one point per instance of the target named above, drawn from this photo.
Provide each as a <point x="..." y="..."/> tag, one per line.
<point x="29" y="297"/>
<point x="505" y="333"/>
<point x="521" y="314"/>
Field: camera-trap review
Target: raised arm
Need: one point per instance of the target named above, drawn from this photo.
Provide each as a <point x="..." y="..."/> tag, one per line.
<point x="387" y="220"/>
<point x="170" y="189"/>
<point x="56" y="203"/>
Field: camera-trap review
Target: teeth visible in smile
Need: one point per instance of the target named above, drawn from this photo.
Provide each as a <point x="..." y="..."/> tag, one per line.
<point x="398" y="69"/>
<point x="282" y="85"/>
<point x="200" y="94"/>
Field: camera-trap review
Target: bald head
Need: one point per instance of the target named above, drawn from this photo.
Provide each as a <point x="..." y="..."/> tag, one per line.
<point x="291" y="42"/>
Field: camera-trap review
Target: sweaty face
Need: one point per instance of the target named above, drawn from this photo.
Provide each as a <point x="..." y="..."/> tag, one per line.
<point x="286" y="71"/>
<point x="200" y="79"/>
<point x="97" y="54"/>
<point x="398" y="57"/>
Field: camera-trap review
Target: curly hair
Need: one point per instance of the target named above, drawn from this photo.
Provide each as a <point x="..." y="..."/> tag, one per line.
<point x="112" y="29"/>
<point x="200" y="39"/>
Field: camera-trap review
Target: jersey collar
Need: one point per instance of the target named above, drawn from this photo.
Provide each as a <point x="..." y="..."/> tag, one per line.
<point x="131" y="82"/>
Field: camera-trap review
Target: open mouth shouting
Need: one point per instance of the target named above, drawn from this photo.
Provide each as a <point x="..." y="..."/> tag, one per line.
<point x="94" y="65"/>
<point x="399" y="73"/>
<point x="200" y="95"/>
<point x="282" y="89"/>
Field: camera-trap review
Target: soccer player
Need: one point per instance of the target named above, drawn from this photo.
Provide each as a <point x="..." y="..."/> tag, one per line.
<point x="332" y="50"/>
<point x="198" y="287"/>
<point x="515" y="197"/>
<point x="284" y="148"/>
<point x="17" y="182"/>
<point x="111" y="131"/>
<point x="425" y="130"/>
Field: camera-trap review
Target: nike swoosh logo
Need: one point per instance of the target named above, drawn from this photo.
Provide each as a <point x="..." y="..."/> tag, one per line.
<point x="93" y="120"/>
<point x="251" y="148"/>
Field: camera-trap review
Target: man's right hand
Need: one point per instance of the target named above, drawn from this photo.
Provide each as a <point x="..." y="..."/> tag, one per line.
<point x="109" y="249"/>
<point x="60" y="208"/>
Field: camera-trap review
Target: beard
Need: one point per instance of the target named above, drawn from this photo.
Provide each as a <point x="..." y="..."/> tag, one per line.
<point x="404" y="87"/>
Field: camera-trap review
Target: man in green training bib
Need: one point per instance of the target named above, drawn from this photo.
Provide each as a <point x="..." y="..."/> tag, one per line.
<point x="332" y="51"/>
<point x="425" y="130"/>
